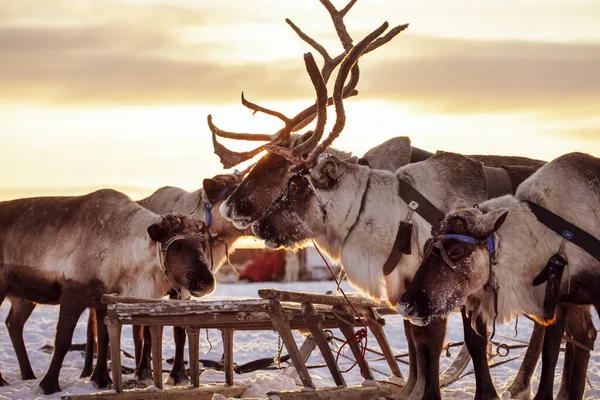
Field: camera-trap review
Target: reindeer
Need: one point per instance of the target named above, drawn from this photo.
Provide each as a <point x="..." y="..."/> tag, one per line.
<point x="490" y="255"/>
<point x="71" y="250"/>
<point x="270" y="175"/>
<point x="223" y="235"/>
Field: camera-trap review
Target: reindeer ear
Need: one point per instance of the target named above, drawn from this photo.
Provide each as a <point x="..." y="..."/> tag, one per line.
<point x="157" y="232"/>
<point x="212" y="188"/>
<point x="458" y="204"/>
<point x="492" y="221"/>
<point x="352" y="160"/>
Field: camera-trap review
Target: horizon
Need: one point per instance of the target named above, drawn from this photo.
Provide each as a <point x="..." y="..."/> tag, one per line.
<point x="116" y="94"/>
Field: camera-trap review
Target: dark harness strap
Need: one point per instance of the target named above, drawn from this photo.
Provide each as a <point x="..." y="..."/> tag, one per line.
<point x="567" y="230"/>
<point x="419" y="204"/>
<point x="497" y="181"/>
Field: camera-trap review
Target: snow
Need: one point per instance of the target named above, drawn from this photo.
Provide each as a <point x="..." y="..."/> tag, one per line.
<point x="252" y="345"/>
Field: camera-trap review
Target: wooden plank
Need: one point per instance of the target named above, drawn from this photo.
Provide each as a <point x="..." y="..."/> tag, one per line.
<point x="227" y="335"/>
<point x="193" y="334"/>
<point x="114" y="298"/>
<point x="156" y="332"/>
<point x="178" y="307"/>
<point x="314" y="325"/>
<point x="316" y="298"/>
<point x="341" y="393"/>
<point x="306" y="349"/>
<point x="204" y="392"/>
<point x="280" y="324"/>
<point x="377" y="331"/>
<point x="348" y="332"/>
<point x="114" y="338"/>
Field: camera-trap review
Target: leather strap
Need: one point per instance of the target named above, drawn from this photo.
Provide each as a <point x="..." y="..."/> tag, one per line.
<point x="497" y="181"/>
<point x="567" y="230"/>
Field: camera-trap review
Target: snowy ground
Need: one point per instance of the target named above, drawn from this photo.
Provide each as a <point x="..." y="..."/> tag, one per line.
<point x="249" y="345"/>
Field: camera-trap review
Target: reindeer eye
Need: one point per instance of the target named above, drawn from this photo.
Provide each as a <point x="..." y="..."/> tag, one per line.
<point x="456" y="252"/>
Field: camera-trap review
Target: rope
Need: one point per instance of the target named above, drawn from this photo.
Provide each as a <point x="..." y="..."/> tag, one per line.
<point x="361" y="334"/>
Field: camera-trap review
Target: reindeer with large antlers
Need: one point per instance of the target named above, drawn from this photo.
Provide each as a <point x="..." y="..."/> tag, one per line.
<point x="269" y="176"/>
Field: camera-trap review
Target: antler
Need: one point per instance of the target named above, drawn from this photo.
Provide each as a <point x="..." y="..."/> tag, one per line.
<point x="279" y="141"/>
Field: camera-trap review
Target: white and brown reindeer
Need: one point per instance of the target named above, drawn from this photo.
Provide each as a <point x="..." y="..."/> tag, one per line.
<point x="199" y="205"/>
<point x="71" y="250"/>
<point x="487" y="258"/>
<point x="269" y="177"/>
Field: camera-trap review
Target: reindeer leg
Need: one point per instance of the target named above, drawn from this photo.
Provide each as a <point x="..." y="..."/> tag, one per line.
<point x="144" y="370"/>
<point x="19" y="313"/>
<point x="100" y="377"/>
<point x="581" y="328"/>
<point x="520" y="388"/>
<point x="550" y="350"/>
<point x="476" y="342"/>
<point x="412" y="363"/>
<point x="137" y="332"/>
<point x="69" y="312"/>
<point x="429" y="341"/>
<point x="90" y="344"/>
<point x="3" y="288"/>
<point x="178" y="373"/>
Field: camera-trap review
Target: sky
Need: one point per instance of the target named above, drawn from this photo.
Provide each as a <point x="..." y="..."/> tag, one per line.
<point x="115" y="93"/>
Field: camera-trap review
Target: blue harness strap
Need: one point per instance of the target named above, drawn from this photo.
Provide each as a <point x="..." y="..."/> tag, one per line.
<point x="208" y="205"/>
<point x="469" y="239"/>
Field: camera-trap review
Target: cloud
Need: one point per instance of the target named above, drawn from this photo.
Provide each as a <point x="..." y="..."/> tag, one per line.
<point x="123" y="53"/>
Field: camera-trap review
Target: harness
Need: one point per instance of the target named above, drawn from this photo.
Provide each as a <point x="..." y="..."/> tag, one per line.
<point x="553" y="271"/>
<point x="491" y="285"/>
<point x="497" y="181"/>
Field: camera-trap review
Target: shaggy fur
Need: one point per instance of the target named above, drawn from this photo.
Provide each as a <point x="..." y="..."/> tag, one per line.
<point x="71" y="250"/>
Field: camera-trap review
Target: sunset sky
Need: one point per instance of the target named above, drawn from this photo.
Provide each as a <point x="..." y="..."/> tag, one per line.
<point x="115" y="93"/>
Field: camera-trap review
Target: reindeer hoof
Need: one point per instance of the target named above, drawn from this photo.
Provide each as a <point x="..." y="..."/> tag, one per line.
<point x="3" y="382"/>
<point x="143" y="375"/>
<point x="49" y="386"/>
<point x="519" y="392"/>
<point x="179" y="377"/>
<point x="86" y="372"/>
<point x="135" y="384"/>
<point x="101" y="381"/>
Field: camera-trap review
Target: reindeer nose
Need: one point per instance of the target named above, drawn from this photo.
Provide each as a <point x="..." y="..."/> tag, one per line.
<point x="261" y="229"/>
<point x="244" y="208"/>
<point x="406" y="309"/>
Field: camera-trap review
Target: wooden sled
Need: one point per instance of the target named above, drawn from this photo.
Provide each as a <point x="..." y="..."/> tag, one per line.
<point x="280" y="311"/>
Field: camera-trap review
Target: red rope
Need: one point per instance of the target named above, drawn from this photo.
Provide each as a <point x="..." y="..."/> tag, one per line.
<point x="360" y="335"/>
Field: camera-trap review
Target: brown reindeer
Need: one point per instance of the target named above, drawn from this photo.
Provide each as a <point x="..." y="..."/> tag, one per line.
<point x="489" y="257"/>
<point x="223" y="235"/>
<point x="71" y="250"/>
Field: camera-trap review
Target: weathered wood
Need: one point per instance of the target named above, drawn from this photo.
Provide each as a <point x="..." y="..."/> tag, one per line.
<point x="341" y="393"/>
<point x="306" y="350"/>
<point x="204" y="392"/>
<point x="348" y="332"/>
<point x="316" y="298"/>
<point x="377" y="331"/>
<point x="114" y="298"/>
<point x="227" y="335"/>
<point x="156" y="332"/>
<point x="314" y="324"/>
<point x="452" y="373"/>
<point x="193" y="334"/>
<point x="280" y="324"/>
<point x="114" y="338"/>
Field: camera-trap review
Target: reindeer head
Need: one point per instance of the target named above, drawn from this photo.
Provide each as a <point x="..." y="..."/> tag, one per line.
<point x="314" y="199"/>
<point x="456" y="264"/>
<point x="182" y="241"/>
<point x="269" y="176"/>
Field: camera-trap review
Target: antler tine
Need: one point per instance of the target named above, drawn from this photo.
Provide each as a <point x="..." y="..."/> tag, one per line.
<point x="348" y="64"/>
<point x="256" y="108"/>
<point x="259" y="137"/>
<point x="227" y="157"/>
<point x="386" y="38"/>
